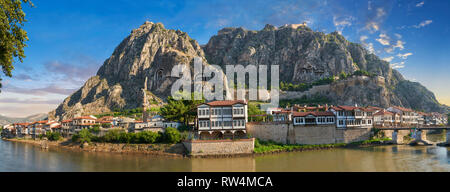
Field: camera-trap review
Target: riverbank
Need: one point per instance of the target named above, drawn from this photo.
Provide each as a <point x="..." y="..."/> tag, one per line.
<point x="179" y="151"/>
<point x="269" y="147"/>
<point x="160" y="149"/>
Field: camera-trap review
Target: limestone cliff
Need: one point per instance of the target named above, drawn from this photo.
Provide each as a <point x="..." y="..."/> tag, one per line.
<point x="149" y="51"/>
<point x="305" y="56"/>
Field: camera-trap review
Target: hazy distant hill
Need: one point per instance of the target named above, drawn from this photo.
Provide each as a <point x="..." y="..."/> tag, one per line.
<point x="8" y="120"/>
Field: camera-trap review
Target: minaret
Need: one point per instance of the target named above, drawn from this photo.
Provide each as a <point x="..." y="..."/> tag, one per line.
<point x="144" y="103"/>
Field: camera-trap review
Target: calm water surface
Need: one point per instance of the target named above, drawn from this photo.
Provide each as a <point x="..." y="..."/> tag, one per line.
<point x="26" y="157"/>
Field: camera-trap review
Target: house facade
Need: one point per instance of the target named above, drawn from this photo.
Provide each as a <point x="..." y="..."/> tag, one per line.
<point x="83" y="122"/>
<point x="37" y="128"/>
<point x="384" y="118"/>
<point x="313" y="118"/>
<point x="66" y="128"/>
<point x="222" y="117"/>
<point x="406" y="117"/>
<point x="352" y="117"/>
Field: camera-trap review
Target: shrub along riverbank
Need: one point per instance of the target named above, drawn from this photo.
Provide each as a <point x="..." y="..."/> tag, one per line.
<point x="171" y="135"/>
<point x="270" y="146"/>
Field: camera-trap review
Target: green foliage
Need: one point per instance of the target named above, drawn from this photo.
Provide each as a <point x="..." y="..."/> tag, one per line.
<point x="304" y="87"/>
<point x="106" y="125"/>
<point x="125" y="137"/>
<point x="147" y="137"/>
<point x="117" y="112"/>
<point x="363" y="73"/>
<point x="343" y="75"/>
<point x="253" y="109"/>
<point x="185" y="128"/>
<point x="95" y="129"/>
<point x="12" y="36"/>
<point x="53" y="136"/>
<point x="377" y="133"/>
<point x="83" y="136"/>
<point x="172" y="135"/>
<point x="112" y="136"/>
<point x="317" y="99"/>
<point x="270" y="146"/>
<point x="181" y="110"/>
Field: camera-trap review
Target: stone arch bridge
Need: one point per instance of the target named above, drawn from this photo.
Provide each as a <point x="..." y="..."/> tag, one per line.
<point x="418" y="134"/>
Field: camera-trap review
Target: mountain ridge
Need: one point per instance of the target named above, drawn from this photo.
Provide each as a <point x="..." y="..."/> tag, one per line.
<point x="303" y="55"/>
<point x="4" y="120"/>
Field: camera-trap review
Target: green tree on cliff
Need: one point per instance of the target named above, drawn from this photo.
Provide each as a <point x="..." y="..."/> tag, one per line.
<point x="181" y="110"/>
<point x="12" y="36"/>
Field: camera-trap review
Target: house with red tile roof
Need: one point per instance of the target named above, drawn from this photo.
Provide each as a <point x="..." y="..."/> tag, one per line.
<point x="384" y="118"/>
<point x="313" y="118"/>
<point x="21" y="129"/>
<point x="220" y="118"/>
<point x="66" y="126"/>
<point x="407" y="116"/>
<point x="83" y="122"/>
<point x="37" y="128"/>
<point x="352" y="116"/>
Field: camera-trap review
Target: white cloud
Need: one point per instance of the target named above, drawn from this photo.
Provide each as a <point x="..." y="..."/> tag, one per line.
<point x="388" y="49"/>
<point x="400" y="44"/>
<point x="423" y="24"/>
<point x="372" y="26"/>
<point x="420" y="4"/>
<point x="388" y="59"/>
<point x="342" y="22"/>
<point x="363" y="38"/>
<point x="398" y="36"/>
<point x="381" y="12"/>
<point x="370" y="48"/>
<point x="398" y="65"/>
<point x="404" y="56"/>
<point x="384" y="39"/>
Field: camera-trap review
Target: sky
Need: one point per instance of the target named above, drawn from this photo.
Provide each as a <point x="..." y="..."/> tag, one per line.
<point x="70" y="40"/>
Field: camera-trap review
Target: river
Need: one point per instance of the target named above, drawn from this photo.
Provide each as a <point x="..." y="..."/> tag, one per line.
<point x="17" y="157"/>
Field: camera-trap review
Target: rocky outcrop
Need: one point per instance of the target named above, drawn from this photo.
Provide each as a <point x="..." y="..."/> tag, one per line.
<point x="305" y="56"/>
<point x="150" y="51"/>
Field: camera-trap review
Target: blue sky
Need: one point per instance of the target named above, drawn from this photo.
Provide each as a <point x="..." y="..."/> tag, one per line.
<point x="69" y="40"/>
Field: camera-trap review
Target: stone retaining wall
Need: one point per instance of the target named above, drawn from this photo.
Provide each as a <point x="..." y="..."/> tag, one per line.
<point x="274" y="131"/>
<point x="219" y="147"/>
<point x="350" y="135"/>
<point x="313" y="135"/>
<point x="287" y="133"/>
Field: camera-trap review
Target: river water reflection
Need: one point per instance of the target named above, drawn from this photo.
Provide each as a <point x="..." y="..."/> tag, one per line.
<point x="26" y="157"/>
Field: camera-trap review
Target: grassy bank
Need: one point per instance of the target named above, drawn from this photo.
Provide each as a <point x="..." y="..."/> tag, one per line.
<point x="270" y="146"/>
<point x="157" y="149"/>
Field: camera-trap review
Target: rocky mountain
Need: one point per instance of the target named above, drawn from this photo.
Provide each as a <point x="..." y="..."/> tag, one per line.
<point x="150" y="52"/>
<point x="303" y="55"/>
<point x="9" y="120"/>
